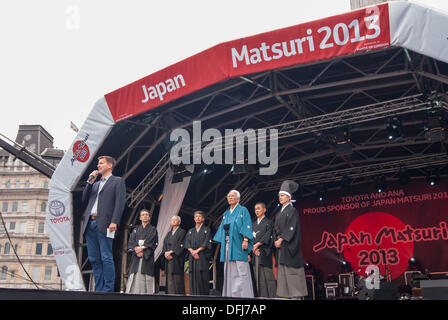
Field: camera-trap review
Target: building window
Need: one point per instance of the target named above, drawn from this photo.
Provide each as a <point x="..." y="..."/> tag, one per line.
<point x="15" y="206"/>
<point x="39" y="248"/>
<point x="27" y="183"/>
<point x="25" y="206"/>
<point x="12" y="226"/>
<point x="8" y="184"/>
<point x="16" y="248"/>
<point x="41" y="227"/>
<point x="43" y="207"/>
<point x="36" y="273"/>
<point x="2" y="228"/>
<point x="47" y="275"/>
<point x="17" y="183"/>
<point x="7" y="248"/>
<point x="4" y="273"/>
<point x="45" y="184"/>
<point x="5" y="207"/>
<point x="49" y="250"/>
<point x="13" y="274"/>
<point x="22" y="227"/>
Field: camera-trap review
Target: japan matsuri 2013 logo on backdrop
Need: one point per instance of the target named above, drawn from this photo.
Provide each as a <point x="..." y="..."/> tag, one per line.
<point x="81" y="150"/>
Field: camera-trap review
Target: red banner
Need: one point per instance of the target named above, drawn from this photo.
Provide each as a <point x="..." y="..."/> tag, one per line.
<point x="384" y="229"/>
<point x="343" y="34"/>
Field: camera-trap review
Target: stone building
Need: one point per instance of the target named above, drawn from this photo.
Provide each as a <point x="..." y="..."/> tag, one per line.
<point x="23" y="205"/>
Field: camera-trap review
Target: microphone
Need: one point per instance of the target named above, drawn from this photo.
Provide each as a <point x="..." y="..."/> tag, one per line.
<point x="91" y="178"/>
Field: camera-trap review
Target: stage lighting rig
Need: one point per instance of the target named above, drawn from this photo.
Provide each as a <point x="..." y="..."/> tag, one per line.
<point x="342" y="142"/>
<point x="435" y="125"/>
<point x="180" y="172"/>
<point x="432" y="178"/>
<point x="380" y="184"/>
<point x="394" y="128"/>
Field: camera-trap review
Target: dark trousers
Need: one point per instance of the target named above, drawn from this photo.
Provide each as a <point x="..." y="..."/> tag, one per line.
<point x="175" y="283"/>
<point x="199" y="282"/>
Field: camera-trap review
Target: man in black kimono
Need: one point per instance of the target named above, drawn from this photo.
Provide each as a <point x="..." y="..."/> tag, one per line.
<point x="141" y="245"/>
<point x="198" y="242"/>
<point x="174" y="252"/>
<point x="261" y="255"/>
<point x="291" y="281"/>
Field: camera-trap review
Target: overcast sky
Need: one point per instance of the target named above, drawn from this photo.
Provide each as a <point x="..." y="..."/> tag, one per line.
<point x="58" y="57"/>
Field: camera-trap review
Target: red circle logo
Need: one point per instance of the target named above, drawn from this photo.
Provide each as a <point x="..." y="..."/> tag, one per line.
<point x="81" y="151"/>
<point x="376" y="239"/>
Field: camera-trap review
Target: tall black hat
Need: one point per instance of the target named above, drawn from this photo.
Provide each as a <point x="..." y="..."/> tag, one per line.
<point x="288" y="187"/>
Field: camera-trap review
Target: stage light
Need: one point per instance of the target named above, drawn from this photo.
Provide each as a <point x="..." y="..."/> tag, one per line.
<point x="413" y="264"/>
<point x="204" y="171"/>
<point x="180" y="172"/>
<point x="320" y="142"/>
<point x="380" y="184"/>
<point x="432" y="178"/>
<point x="394" y="128"/>
<point x="341" y="140"/>
<point x="434" y="125"/>
<point x="321" y="196"/>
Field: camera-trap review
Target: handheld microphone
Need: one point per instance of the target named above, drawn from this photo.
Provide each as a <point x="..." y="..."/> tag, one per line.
<point x="91" y="178"/>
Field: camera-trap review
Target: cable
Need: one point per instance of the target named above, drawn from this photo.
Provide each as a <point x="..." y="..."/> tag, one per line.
<point x="24" y="279"/>
<point x="14" y="249"/>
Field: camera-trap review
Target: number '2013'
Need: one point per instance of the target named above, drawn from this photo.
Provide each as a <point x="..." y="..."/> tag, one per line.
<point x="371" y="23"/>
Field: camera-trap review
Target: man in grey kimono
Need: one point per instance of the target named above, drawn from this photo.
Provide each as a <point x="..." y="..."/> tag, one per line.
<point x="261" y="256"/>
<point x="141" y="245"/>
<point x="199" y="244"/>
<point x="291" y="281"/>
<point x="174" y="253"/>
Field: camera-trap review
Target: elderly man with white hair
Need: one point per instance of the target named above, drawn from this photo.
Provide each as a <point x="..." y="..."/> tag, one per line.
<point x="174" y="254"/>
<point x="236" y="239"/>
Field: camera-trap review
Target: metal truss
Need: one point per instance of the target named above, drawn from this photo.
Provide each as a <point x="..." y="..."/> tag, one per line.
<point x="149" y="182"/>
<point x="329" y="121"/>
<point x="27" y="156"/>
<point x="296" y="98"/>
<point x="362" y="171"/>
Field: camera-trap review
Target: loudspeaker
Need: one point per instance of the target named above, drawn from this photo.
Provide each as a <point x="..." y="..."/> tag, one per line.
<point x="387" y="291"/>
<point x="434" y="289"/>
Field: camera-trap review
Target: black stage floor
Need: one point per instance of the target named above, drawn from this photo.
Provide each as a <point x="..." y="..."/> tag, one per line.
<point x="35" y="294"/>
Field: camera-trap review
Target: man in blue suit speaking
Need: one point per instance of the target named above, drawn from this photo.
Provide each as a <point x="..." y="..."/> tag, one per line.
<point x="105" y="200"/>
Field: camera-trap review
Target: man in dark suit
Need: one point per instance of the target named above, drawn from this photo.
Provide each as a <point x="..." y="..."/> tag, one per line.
<point x="198" y="242"/>
<point x="262" y="253"/>
<point x="291" y="281"/>
<point x="174" y="253"/>
<point x="105" y="204"/>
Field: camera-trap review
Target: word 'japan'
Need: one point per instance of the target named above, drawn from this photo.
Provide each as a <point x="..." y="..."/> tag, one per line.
<point x="162" y="88"/>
